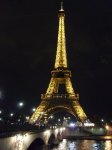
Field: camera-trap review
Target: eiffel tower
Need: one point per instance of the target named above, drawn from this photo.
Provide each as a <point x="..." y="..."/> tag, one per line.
<point x="52" y="100"/>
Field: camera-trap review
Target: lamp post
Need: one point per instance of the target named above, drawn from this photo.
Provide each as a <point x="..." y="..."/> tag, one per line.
<point x="21" y="116"/>
<point x="0" y="111"/>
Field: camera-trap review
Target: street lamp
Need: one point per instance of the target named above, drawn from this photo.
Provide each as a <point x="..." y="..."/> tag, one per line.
<point x="11" y="114"/>
<point x="102" y="120"/>
<point x="19" y="120"/>
<point x="51" y="117"/>
<point x="0" y="111"/>
<point x="33" y="109"/>
<point x="21" y="111"/>
<point x="21" y="104"/>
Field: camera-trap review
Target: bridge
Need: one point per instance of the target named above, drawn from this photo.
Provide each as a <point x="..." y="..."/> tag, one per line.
<point x="26" y="140"/>
<point x="40" y="138"/>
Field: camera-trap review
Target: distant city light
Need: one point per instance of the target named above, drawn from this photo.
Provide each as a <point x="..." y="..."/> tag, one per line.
<point x="0" y="119"/>
<point x="19" y="120"/>
<point x="59" y="120"/>
<point x="64" y="118"/>
<point x="107" y="127"/>
<point x="89" y="124"/>
<point x="27" y="117"/>
<point x="72" y="125"/>
<point x="0" y="111"/>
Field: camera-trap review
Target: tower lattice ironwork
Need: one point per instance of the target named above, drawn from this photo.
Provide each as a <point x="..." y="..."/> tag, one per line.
<point x="52" y="100"/>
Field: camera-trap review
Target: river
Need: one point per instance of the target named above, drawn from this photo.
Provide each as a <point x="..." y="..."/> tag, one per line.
<point x="82" y="145"/>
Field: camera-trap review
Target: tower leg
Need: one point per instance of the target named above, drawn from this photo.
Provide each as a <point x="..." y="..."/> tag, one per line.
<point x="38" y="114"/>
<point x="80" y="114"/>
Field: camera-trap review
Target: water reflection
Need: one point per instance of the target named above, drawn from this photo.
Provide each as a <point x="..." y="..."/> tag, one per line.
<point x="61" y="146"/>
<point x="108" y="145"/>
<point x="84" y="145"/>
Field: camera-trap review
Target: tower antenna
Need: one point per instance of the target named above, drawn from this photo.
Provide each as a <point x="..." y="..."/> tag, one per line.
<point x="62" y="6"/>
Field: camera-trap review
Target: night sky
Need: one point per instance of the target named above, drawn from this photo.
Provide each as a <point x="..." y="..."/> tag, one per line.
<point x="28" y="42"/>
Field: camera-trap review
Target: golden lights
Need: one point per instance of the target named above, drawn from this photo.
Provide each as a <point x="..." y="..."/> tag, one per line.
<point x="52" y="92"/>
<point x="61" y="58"/>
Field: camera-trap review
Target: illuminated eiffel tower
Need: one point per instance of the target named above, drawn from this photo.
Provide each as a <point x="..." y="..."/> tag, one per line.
<point x="52" y="101"/>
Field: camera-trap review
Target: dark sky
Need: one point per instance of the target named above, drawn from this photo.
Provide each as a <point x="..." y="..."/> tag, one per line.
<point x="28" y="40"/>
